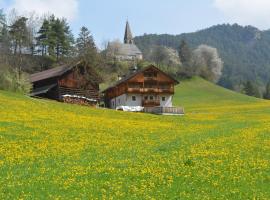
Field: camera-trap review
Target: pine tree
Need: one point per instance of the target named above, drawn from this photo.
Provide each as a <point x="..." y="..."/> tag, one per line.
<point x="52" y="37"/>
<point x="184" y="53"/>
<point x="67" y="40"/>
<point x="251" y="89"/>
<point x="85" y="45"/>
<point x="19" y="35"/>
<point x="185" y="57"/>
<point x="267" y="91"/>
<point x="43" y="37"/>
<point x="4" y="37"/>
<point x="55" y="38"/>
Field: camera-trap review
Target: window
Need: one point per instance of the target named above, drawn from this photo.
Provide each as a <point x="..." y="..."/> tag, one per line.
<point x="163" y="98"/>
<point x="151" y="98"/>
<point x="133" y="98"/>
<point x="146" y="98"/>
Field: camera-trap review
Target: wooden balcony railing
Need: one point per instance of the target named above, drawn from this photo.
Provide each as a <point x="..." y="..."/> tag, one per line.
<point x="150" y="90"/>
<point x="150" y="103"/>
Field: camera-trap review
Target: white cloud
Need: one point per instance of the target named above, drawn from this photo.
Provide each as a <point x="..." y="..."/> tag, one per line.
<point x="60" y="8"/>
<point x="248" y="12"/>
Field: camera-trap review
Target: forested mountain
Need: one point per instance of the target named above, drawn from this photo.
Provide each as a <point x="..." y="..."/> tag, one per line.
<point x="244" y="50"/>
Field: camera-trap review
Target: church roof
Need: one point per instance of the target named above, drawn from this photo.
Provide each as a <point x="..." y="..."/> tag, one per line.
<point x="129" y="50"/>
<point x="128" y="39"/>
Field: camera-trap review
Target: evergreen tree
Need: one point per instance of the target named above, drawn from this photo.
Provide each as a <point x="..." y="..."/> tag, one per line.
<point x="52" y="37"/>
<point x="86" y="47"/>
<point x="185" y="53"/>
<point x="267" y="91"/>
<point x="19" y="35"/>
<point x="61" y="38"/>
<point x="68" y="39"/>
<point x="185" y="57"/>
<point x="55" y="38"/>
<point x="251" y="89"/>
<point x="4" y="37"/>
<point x="43" y="37"/>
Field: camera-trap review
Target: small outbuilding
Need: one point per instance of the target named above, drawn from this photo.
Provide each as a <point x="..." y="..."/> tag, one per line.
<point x="67" y="82"/>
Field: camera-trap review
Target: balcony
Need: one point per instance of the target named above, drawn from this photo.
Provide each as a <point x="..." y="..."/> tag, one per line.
<point x="150" y="90"/>
<point x="166" y="90"/>
<point x="150" y="103"/>
<point x="135" y="90"/>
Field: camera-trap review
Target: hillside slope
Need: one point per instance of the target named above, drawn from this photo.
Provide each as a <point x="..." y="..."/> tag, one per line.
<point x="244" y="50"/>
<point x="218" y="150"/>
<point x="198" y="93"/>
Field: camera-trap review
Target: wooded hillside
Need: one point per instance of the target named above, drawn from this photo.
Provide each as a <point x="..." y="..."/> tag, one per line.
<point x="244" y="50"/>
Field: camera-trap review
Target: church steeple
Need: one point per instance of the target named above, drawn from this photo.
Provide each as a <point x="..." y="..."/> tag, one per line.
<point x="128" y="35"/>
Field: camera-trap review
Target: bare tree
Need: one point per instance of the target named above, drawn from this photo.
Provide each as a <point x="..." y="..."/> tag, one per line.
<point x="33" y="24"/>
<point x="113" y="48"/>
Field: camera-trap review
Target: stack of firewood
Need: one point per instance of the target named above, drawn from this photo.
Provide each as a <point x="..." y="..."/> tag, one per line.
<point x="78" y="101"/>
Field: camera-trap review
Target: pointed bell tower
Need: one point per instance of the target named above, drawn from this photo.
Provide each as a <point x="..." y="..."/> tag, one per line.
<point x="128" y="35"/>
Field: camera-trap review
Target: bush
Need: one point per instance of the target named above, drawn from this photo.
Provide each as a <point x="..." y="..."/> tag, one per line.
<point x="12" y="80"/>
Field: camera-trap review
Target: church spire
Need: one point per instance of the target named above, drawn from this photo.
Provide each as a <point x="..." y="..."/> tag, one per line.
<point x="128" y="35"/>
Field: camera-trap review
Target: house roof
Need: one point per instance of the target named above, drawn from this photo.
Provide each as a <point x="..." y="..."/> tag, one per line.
<point x="50" y="73"/>
<point x="58" y="71"/>
<point x="138" y="72"/>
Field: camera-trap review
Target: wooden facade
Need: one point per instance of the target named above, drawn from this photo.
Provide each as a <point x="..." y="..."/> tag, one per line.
<point x="80" y="80"/>
<point x="150" y="80"/>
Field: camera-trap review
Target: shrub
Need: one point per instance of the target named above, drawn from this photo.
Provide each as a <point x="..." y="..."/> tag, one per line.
<point x="12" y="80"/>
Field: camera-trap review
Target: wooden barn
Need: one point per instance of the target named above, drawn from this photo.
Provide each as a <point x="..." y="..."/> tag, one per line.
<point x="69" y="83"/>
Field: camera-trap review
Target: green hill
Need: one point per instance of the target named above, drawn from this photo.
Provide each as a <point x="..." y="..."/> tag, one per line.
<point x="218" y="150"/>
<point x="244" y="50"/>
<point x="197" y="93"/>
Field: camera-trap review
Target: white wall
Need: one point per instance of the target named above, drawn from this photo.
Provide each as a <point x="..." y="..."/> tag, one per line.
<point x="167" y="102"/>
<point x="126" y="100"/>
<point x="130" y="102"/>
<point x="118" y="101"/>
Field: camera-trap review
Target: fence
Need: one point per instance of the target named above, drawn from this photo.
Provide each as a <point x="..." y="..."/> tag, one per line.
<point x="165" y="110"/>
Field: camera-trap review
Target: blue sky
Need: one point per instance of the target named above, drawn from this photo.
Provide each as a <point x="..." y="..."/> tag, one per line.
<point x="106" y="18"/>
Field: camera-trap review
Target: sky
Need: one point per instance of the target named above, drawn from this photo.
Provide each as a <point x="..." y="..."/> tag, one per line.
<point x="106" y="18"/>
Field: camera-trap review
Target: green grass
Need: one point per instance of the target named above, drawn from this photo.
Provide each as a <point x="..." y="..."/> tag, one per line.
<point x="198" y="92"/>
<point x="219" y="150"/>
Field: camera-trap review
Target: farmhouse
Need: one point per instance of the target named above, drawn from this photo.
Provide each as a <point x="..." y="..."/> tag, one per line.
<point x="149" y="87"/>
<point x="67" y="82"/>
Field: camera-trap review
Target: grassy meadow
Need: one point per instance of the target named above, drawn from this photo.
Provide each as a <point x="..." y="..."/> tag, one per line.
<point x="219" y="150"/>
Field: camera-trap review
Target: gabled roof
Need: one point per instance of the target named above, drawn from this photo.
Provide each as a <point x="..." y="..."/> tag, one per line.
<point x="128" y="77"/>
<point x="57" y="72"/>
<point x="50" y="73"/>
